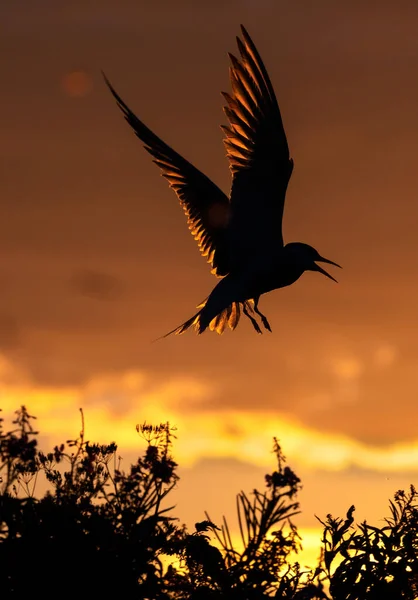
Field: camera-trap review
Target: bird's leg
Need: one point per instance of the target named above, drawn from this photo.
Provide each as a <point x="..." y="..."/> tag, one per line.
<point x="263" y="317"/>
<point x="253" y="321"/>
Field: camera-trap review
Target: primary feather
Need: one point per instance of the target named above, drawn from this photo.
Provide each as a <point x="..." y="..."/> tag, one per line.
<point x="207" y="208"/>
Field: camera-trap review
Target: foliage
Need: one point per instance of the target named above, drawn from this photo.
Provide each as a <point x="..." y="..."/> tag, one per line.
<point x="98" y="531"/>
<point x="375" y="563"/>
<point x="103" y="532"/>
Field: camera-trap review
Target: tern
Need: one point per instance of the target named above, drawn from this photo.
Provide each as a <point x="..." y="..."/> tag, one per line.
<point x="241" y="236"/>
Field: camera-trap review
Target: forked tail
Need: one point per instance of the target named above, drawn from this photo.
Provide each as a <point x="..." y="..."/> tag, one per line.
<point x="229" y="317"/>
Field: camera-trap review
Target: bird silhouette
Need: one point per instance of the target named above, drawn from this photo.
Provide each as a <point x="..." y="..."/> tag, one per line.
<point x="241" y="236"/>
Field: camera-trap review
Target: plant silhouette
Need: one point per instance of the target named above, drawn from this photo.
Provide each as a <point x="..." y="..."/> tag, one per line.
<point x="103" y="532"/>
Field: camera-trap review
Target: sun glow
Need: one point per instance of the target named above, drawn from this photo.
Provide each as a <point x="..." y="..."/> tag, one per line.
<point x="76" y="84"/>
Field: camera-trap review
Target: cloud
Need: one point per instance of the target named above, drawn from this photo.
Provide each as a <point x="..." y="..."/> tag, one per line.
<point x="347" y="368"/>
<point x="385" y="356"/>
<point x="114" y="403"/>
<point x="10" y="332"/>
<point x="219" y="452"/>
<point x="96" y="284"/>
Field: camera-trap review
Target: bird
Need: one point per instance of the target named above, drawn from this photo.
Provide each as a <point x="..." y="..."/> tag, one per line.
<point x="241" y="235"/>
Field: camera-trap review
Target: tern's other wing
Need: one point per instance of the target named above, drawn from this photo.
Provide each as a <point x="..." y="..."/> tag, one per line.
<point x="258" y="154"/>
<point x="206" y="206"/>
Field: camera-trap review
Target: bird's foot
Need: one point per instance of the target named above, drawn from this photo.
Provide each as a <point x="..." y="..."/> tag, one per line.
<point x="266" y="323"/>
<point x="263" y="317"/>
<point x="256" y="325"/>
<point x="253" y="321"/>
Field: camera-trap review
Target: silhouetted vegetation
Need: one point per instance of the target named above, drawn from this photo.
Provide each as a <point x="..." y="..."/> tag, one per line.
<point x="101" y="532"/>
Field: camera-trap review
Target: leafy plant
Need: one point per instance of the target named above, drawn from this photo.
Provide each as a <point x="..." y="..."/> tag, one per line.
<point x="98" y="531"/>
<point x="374" y="563"/>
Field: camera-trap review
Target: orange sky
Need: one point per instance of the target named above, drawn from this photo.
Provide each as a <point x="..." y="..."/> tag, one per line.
<point x="96" y="259"/>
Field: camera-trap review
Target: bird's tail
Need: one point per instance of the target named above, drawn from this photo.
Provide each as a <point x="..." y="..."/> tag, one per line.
<point x="229" y="317"/>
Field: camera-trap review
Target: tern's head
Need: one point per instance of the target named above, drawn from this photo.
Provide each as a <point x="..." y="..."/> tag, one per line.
<point x="307" y="257"/>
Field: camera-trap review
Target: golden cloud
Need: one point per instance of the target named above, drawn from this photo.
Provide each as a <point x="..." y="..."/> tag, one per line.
<point x="114" y="404"/>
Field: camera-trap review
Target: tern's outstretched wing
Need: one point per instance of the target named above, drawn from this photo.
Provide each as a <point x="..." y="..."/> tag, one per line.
<point x="258" y="155"/>
<point x="207" y="208"/>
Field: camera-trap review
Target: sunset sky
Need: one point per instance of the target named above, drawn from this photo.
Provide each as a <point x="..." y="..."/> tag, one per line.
<point x="96" y="260"/>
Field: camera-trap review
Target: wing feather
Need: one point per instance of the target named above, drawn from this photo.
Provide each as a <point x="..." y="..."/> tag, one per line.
<point x="258" y="155"/>
<point x="207" y="208"/>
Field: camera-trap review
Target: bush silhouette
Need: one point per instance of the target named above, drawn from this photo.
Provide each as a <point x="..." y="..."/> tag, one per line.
<point x="101" y="532"/>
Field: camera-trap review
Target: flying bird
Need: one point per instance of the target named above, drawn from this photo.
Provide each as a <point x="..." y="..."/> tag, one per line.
<point x="241" y="236"/>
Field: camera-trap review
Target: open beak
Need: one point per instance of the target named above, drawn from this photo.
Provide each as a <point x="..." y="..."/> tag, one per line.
<point x="321" y="270"/>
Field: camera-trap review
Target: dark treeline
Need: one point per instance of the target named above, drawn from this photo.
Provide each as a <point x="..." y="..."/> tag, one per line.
<point x="100" y="532"/>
